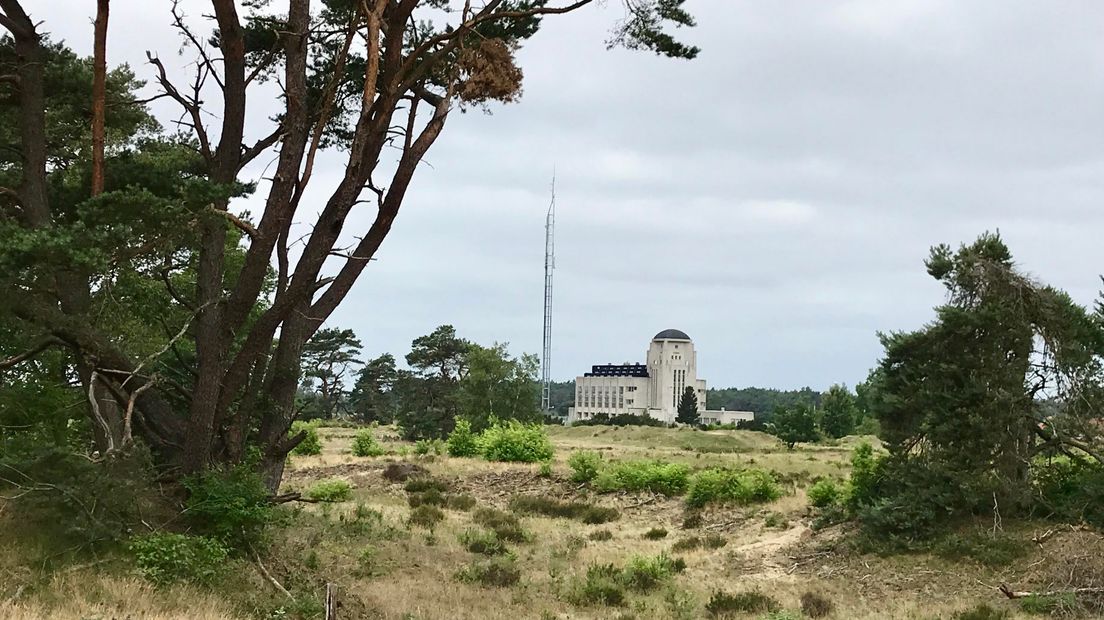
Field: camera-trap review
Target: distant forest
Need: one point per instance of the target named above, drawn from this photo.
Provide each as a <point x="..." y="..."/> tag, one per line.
<point x="762" y="401"/>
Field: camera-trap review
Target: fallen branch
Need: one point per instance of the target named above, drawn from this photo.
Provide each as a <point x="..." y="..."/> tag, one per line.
<point x="294" y="496"/>
<point x="270" y="578"/>
<point x="1010" y="593"/>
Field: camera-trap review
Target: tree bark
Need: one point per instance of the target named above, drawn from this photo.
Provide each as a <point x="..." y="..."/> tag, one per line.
<point x="99" y="93"/>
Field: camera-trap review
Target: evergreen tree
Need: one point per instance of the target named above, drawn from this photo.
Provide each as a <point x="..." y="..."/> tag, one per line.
<point x="793" y="424"/>
<point x="688" y="407"/>
<point x="372" y="398"/>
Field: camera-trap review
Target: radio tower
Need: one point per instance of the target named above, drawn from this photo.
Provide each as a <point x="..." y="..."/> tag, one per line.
<point x="549" y="265"/>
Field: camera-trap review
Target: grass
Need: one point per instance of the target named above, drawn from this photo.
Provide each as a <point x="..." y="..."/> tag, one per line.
<point x="724" y="605"/>
<point x="546" y="506"/>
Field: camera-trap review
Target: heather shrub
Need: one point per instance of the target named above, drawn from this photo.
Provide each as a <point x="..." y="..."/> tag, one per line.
<point x="426" y="516"/>
<point x="484" y="542"/>
<point x="644" y="573"/>
<point x="814" y="605"/>
<point x="505" y="525"/>
<point x="549" y="507"/>
<point x="655" y="533"/>
<point x="724" y="605"/>
<point x="498" y="572"/>
<point x="655" y="476"/>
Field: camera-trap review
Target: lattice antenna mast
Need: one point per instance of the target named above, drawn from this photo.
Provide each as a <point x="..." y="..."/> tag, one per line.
<point x="549" y="266"/>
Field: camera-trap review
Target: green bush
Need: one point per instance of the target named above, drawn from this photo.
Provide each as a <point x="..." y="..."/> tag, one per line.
<point x="483" y="542"/>
<point x="823" y="493"/>
<point x="724" y="605"/>
<point x="498" y="572"/>
<point x="166" y="558"/>
<point x="983" y="547"/>
<point x="545" y="470"/>
<point x="232" y="505"/>
<point x="462" y="442"/>
<point x="432" y="497"/>
<point x="1056" y="605"/>
<point x="655" y="533"/>
<point x="515" y="442"/>
<point x="1070" y="490"/>
<point x="601" y="586"/>
<point x="333" y="490"/>
<point x="624" y="419"/>
<point x="644" y="573"/>
<point x="426" y="516"/>
<point x="587" y="513"/>
<point x="505" y="525"/>
<point x="311" y="444"/>
<point x="862" y="490"/>
<point x="585" y="465"/>
<point x="365" y="444"/>
<point x="425" y="447"/>
<point x="726" y="486"/>
<point x="654" y="476"/>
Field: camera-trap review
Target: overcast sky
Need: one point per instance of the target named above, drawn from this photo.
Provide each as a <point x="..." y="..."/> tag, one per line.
<point x="774" y="198"/>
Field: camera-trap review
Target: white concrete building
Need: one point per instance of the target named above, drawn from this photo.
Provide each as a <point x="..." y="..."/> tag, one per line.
<point x="653" y="388"/>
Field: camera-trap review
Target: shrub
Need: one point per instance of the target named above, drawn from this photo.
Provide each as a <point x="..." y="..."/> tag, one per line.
<point x="545" y="470"/>
<point x="692" y="521"/>
<point x="713" y="541"/>
<point x="424" y="447"/>
<point x="864" y="477"/>
<point x="462" y="442"/>
<point x="990" y="550"/>
<point x="585" y="465"/>
<point x="601" y="586"/>
<point x="365" y="444"/>
<point x="497" y="572"/>
<point x="728" y="486"/>
<point x="460" y="502"/>
<point x="645" y="573"/>
<point x="724" y="605"/>
<point x="505" y="525"/>
<point x="587" y="513"/>
<point x="426" y="516"/>
<point x="482" y="542"/>
<point x="311" y="444"/>
<point x="600" y="535"/>
<point x="655" y="476"/>
<point x="982" y="612"/>
<point x="432" y="497"/>
<point x="655" y="533"/>
<point x="1071" y="490"/>
<point x="1055" y="605"/>
<point x="823" y="493"/>
<point x="166" y="558"/>
<point x="333" y="490"/>
<point x="815" y="605"/>
<point x="231" y="505"/>
<point x="423" y="484"/>
<point x="401" y="472"/>
<point x="625" y="419"/>
<point x="515" y="442"/>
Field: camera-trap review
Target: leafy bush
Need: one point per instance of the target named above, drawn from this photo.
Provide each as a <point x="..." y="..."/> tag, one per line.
<point x="644" y="573"/>
<point x="864" y="477"/>
<point x="600" y="535"/>
<point x="655" y="533"/>
<point x="432" y="497"/>
<point x="601" y="586"/>
<point x="483" y="542"/>
<point x="712" y="541"/>
<point x="311" y="444"/>
<point x="426" y="516"/>
<point x="724" y="605"/>
<point x="587" y="513"/>
<point x="775" y="520"/>
<point x="1071" y="490"/>
<point x="655" y="476"/>
<point x="1058" y="604"/>
<point x="505" y="525"/>
<point x="585" y="465"/>
<point x="515" y="442"/>
<point x="365" y="444"/>
<point x="728" y="486"/>
<point x="499" y="572"/>
<point x="232" y="505"/>
<point x="333" y="490"/>
<point x="814" y="605"/>
<point x="823" y="493"/>
<point x="166" y="558"/>
<point x="462" y="442"/>
<point x="545" y="470"/>
<point x="425" y="447"/>
<point x="461" y="502"/>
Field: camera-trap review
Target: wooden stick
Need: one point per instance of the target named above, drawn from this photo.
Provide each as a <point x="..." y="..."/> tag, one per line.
<point x="1010" y="593"/>
<point x="270" y="578"/>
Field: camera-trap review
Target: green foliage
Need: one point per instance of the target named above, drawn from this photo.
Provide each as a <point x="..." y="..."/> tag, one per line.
<point x="547" y="506"/>
<point x="513" y="441"/>
<point x="425" y="447"/>
<point x="645" y="573"/>
<point x="992" y="550"/>
<point x="505" y="525"/>
<point x="311" y="444"/>
<point x="762" y="401"/>
<point x="462" y="442"/>
<point x="824" y="492"/>
<point x="231" y="505"/>
<point x="1070" y="490"/>
<point x="498" y="386"/>
<point x="333" y="490"/>
<point x="327" y="357"/>
<point x="497" y="572"/>
<point x="865" y="472"/>
<point x="365" y="444"/>
<point x="794" y="424"/>
<point x="816" y="605"/>
<point x="656" y="533"/>
<point x="654" y="476"/>
<point x="981" y="612"/>
<point x="724" y="486"/>
<point x="545" y="470"/>
<point x="1055" y="605"/>
<point x="484" y="542"/>
<point x="688" y="407"/>
<point x="623" y="419"/>
<point x="372" y="398"/>
<point x="431" y="497"/>
<point x="426" y="516"/>
<point x="724" y="605"/>
<point x="165" y="558"/>
<point x="838" y="413"/>
<point x="601" y="586"/>
<point x="585" y="465"/>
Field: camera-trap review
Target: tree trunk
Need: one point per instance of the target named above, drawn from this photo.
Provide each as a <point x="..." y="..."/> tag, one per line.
<point x="99" y="92"/>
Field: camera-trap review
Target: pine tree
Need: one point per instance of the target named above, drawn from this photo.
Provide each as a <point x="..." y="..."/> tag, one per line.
<point x="688" y="407"/>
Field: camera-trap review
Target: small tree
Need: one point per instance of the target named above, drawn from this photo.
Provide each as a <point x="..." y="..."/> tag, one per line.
<point x="838" y="412"/>
<point x="794" y="424"/>
<point x="688" y="407"/>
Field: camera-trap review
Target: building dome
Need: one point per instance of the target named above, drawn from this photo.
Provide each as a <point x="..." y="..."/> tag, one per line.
<point x="671" y="334"/>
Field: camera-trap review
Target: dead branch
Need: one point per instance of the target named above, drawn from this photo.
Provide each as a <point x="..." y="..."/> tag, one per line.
<point x="241" y="224"/>
<point x="41" y="346"/>
<point x="294" y="496"/>
<point x="268" y="576"/>
<point x="96" y="411"/>
<point x="1010" y="593"/>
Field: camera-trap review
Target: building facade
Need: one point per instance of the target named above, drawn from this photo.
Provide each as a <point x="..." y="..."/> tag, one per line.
<point x="653" y="388"/>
